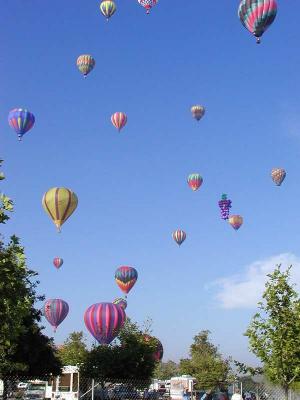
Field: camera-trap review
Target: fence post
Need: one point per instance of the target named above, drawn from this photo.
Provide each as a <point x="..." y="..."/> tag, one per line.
<point x="93" y="388"/>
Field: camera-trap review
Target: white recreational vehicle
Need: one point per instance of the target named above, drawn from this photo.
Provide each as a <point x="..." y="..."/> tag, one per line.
<point x="66" y="386"/>
<point x="180" y="384"/>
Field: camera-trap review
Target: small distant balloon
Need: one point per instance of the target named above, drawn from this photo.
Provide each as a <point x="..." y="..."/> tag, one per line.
<point x="120" y="302"/>
<point x="225" y="205"/>
<point x="55" y="311"/>
<point x="195" y="181"/>
<point x="119" y="120"/>
<point x="257" y="15"/>
<point x="148" y="4"/>
<point x="21" y="121"/>
<point x="236" y="221"/>
<point x="179" y="236"/>
<point x="85" y="64"/>
<point x="198" y="112"/>
<point x="58" y="262"/>
<point x="278" y="175"/>
<point x="108" y="8"/>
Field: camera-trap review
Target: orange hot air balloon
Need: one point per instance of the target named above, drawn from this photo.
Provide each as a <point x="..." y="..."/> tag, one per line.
<point x="119" y="120"/>
<point x="278" y="175"/>
<point x="59" y="204"/>
<point x="236" y="221"/>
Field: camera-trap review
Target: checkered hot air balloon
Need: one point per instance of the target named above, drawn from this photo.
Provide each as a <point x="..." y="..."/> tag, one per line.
<point x="58" y="262"/>
<point x="85" y="64"/>
<point x="108" y="8"/>
<point x="225" y="205"/>
<point x="257" y="15"/>
<point x="119" y="120"/>
<point x="235" y="221"/>
<point x="21" y="121"/>
<point x="179" y="236"/>
<point x="126" y="278"/>
<point x="278" y="175"/>
<point x="148" y="4"/>
<point x="55" y="311"/>
<point x="104" y="321"/>
<point x="195" y="181"/>
<point x="198" y="112"/>
<point x="120" y="302"/>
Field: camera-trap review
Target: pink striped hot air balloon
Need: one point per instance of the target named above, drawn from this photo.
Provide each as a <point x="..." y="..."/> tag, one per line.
<point x="55" y="311"/>
<point x="119" y="120"/>
<point x="58" y="262"/>
<point x="104" y="321"/>
<point x="179" y="236"/>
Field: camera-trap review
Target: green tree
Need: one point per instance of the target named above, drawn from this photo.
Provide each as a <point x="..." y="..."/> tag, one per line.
<point x="166" y="370"/>
<point x="206" y="364"/>
<point x="128" y="357"/>
<point x="20" y="335"/>
<point x="74" y="349"/>
<point x="274" y="332"/>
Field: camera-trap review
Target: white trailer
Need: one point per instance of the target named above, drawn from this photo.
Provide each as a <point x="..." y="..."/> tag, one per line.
<point x="180" y="384"/>
<point x="66" y="386"/>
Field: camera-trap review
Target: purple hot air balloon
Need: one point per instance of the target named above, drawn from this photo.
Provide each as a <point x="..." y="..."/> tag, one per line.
<point x="104" y="321"/>
<point x="55" y="311"/>
<point x="225" y="205"/>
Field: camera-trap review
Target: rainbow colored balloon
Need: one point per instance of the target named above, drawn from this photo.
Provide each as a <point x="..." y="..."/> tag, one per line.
<point x="179" y="236"/>
<point x="225" y="205"/>
<point x="194" y="181"/>
<point x="119" y="120"/>
<point x="55" y="311"/>
<point x="235" y="221"/>
<point x="148" y="4"/>
<point x="120" y="302"/>
<point x="85" y="64"/>
<point x="21" y="121"/>
<point x="58" y="262"/>
<point x="126" y="278"/>
<point x="278" y="175"/>
<point x="198" y="112"/>
<point x="108" y="8"/>
<point x="104" y="321"/>
<point x="257" y="15"/>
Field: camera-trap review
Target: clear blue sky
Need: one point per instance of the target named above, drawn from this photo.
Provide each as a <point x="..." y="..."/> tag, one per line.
<point x="132" y="186"/>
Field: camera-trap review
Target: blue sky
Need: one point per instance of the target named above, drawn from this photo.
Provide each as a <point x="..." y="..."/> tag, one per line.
<point x="132" y="186"/>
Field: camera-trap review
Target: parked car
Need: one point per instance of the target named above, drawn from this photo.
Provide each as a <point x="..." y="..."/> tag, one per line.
<point x="123" y="392"/>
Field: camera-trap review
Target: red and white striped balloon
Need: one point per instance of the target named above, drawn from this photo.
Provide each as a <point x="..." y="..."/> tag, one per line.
<point x="119" y="120"/>
<point x="58" y="262"/>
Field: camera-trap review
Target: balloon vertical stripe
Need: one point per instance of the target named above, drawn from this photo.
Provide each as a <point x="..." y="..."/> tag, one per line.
<point x="55" y="311"/>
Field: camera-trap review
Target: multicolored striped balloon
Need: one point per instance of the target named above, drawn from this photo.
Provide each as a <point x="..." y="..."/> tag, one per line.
<point x="278" y="175"/>
<point x="194" y="181"/>
<point x="257" y="15"/>
<point x="148" y="4"/>
<point x="225" y="205"/>
<point x="126" y="278"/>
<point x="159" y="352"/>
<point x="179" y="236"/>
<point x="235" y="221"/>
<point x="120" y="302"/>
<point x="21" y="121"/>
<point x="85" y="64"/>
<point x="119" y="120"/>
<point x="59" y="204"/>
<point x="58" y="262"/>
<point x="198" y="112"/>
<point x="108" y="8"/>
<point x="104" y="321"/>
<point x="55" y="311"/>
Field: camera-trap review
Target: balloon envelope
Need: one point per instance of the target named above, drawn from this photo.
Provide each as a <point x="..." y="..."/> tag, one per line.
<point x="195" y="181"/>
<point x="58" y="262"/>
<point x="120" y="302"/>
<point x="125" y="278"/>
<point x="55" y="311"/>
<point x="225" y="205"/>
<point x="236" y="221"/>
<point x="108" y="8"/>
<point x="104" y="321"/>
<point x="159" y="351"/>
<point x="85" y="64"/>
<point x="59" y="204"/>
<point x="119" y="120"/>
<point x="21" y="121"/>
<point x="148" y="4"/>
<point x="179" y="236"/>
<point x="198" y="112"/>
<point x="278" y="175"/>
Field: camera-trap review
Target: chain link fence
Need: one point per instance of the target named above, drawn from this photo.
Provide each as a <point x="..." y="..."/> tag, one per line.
<point x="263" y="390"/>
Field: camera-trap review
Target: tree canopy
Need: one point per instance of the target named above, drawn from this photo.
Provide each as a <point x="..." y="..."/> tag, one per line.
<point x="166" y="370"/>
<point x="74" y="349"/>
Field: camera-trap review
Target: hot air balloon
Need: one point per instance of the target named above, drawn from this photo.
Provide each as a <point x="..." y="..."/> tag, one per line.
<point x="198" y="112"/>
<point x="257" y="15"/>
<point x="21" y="120"/>
<point x="120" y="302"/>
<point x="58" y="262"/>
<point x="179" y="236"/>
<point x="108" y="8"/>
<point x="85" y="64"/>
<point x="125" y="278"/>
<point x="119" y="120"/>
<point x="225" y="205"/>
<point x="194" y="181"/>
<point x="55" y="311"/>
<point x="159" y="350"/>
<point x="59" y="204"/>
<point x="278" y="175"/>
<point x="148" y="4"/>
<point x="236" y="221"/>
<point x="104" y="321"/>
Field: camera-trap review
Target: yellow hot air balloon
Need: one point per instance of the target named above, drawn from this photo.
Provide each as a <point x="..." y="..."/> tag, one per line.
<point x="59" y="204"/>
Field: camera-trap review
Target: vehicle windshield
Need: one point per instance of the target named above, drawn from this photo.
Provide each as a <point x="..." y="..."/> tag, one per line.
<point x="36" y="386"/>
